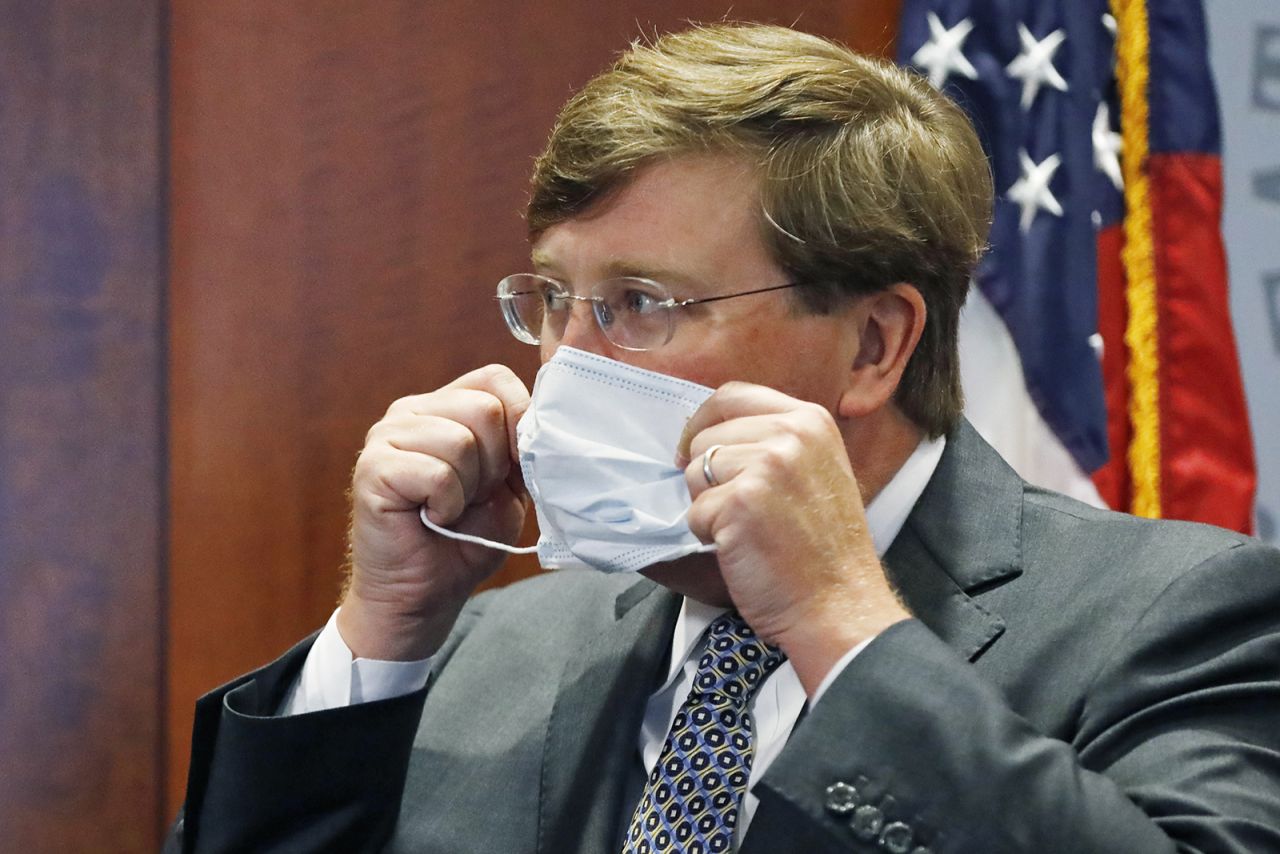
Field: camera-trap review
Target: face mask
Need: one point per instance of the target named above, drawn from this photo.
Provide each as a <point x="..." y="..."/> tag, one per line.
<point x="597" y="448"/>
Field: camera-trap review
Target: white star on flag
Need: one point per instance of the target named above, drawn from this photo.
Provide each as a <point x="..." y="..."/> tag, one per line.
<point x="943" y="53"/>
<point x="1106" y="146"/>
<point x="1031" y="191"/>
<point x="1034" y="66"/>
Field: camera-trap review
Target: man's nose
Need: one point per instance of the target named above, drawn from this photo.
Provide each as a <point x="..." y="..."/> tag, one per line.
<point x="583" y="332"/>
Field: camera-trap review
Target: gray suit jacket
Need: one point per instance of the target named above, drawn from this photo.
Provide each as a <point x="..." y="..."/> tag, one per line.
<point x="1075" y="681"/>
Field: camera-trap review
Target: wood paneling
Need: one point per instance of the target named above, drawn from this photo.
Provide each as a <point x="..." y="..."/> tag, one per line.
<point x="347" y="181"/>
<point x="81" y="420"/>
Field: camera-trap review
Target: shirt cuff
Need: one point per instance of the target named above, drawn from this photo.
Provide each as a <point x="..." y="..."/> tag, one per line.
<point x="838" y="669"/>
<point x="331" y="678"/>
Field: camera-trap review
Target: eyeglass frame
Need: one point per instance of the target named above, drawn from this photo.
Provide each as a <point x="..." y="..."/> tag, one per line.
<point x="521" y="332"/>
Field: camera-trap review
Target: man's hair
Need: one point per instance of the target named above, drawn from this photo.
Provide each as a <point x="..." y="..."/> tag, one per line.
<point x="868" y="176"/>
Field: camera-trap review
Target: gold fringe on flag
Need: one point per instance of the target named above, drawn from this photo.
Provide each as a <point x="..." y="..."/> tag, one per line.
<point x="1138" y="256"/>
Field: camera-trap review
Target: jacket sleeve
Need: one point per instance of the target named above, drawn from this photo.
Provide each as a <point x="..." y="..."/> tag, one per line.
<point x="1176" y="747"/>
<point x="322" y="781"/>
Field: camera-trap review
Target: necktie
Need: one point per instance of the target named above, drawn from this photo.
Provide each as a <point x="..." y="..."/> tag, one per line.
<point x="692" y="797"/>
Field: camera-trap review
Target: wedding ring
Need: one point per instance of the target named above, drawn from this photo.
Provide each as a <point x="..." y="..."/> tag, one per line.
<point x="706" y="465"/>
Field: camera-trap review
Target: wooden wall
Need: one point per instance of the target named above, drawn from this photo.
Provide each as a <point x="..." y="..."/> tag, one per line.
<point x="344" y="183"/>
<point x="81" y="431"/>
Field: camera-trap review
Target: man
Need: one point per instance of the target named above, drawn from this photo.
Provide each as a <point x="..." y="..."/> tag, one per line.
<point x="768" y="215"/>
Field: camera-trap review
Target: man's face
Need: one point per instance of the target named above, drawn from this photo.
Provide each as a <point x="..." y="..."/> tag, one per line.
<point x="693" y="224"/>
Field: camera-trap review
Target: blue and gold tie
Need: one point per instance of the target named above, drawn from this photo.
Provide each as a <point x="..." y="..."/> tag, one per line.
<point x="692" y="798"/>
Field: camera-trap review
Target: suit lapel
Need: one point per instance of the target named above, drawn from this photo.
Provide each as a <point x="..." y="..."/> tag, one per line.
<point x="590" y="755"/>
<point x="961" y="539"/>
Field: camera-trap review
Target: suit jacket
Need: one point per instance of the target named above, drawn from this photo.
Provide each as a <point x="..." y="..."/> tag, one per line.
<point x="1074" y="681"/>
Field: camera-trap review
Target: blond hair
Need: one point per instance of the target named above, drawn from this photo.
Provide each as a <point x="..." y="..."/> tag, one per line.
<point x="868" y="176"/>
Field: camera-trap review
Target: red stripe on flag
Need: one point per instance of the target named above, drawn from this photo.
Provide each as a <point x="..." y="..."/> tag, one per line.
<point x="1113" y="480"/>
<point x="1206" y="453"/>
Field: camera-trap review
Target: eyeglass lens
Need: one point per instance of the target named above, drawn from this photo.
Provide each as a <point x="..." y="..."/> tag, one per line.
<point x="632" y="313"/>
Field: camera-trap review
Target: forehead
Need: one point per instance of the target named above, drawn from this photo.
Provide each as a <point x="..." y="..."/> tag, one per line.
<point x="695" y="217"/>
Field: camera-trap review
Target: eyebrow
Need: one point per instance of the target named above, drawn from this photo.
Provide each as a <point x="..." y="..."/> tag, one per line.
<point x="619" y="268"/>
<point x="541" y="258"/>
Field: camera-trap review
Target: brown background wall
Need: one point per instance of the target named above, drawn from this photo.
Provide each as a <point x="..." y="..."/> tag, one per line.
<point x="81" y="433"/>
<point x="344" y="183"/>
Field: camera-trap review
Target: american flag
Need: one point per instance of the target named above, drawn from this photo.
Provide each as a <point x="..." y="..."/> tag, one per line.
<point x="1106" y="266"/>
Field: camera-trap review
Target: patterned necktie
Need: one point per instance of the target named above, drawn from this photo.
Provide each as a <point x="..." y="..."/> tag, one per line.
<point x="692" y="797"/>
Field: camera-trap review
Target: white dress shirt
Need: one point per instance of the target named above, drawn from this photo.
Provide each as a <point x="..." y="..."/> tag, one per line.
<point x="331" y="677"/>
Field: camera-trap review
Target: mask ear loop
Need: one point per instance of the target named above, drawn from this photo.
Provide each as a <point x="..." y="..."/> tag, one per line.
<point x="468" y="538"/>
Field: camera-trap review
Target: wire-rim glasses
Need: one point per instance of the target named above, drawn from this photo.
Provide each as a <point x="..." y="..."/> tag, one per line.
<point x="632" y="312"/>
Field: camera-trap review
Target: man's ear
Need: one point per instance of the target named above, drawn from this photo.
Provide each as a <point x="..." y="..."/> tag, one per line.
<point x="889" y="325"/>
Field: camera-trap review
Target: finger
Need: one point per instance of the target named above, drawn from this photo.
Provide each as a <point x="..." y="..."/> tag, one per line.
<point x="479" y="411"/>
<point x="738" y="431"/>
<point x="502" y="383"/>
<point x="445" y="439"/>
<point x="496" y="380"/>
<point x="388" y="479"/>
<point x="706" y="512"/>
<point x="723" y="464"/>
<point x="775" y="446"/>
<point x="731" y="400"/>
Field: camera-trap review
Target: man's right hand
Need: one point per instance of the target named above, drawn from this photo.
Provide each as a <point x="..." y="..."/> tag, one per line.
<point x="453" y="450"/>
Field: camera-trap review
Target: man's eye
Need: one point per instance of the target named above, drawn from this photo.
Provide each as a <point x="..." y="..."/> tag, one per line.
<point x="554" y="300"/>
<point x="604" y="313"/>
<point x="640" y="302"/>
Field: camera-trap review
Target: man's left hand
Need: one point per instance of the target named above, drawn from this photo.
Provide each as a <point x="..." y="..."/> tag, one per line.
<point x="788" y="522"/>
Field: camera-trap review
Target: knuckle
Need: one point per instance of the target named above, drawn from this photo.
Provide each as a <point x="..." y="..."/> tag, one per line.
<point x="381" y="431"/>
<point x="808" y="423"/>
<point x="384" y="433"/>
<point x="489" y="410"/>
<point x="780" y="455"/>
<point x="694" y="480"/>
<point x="750" y="492"/>
<point x="792" y="448"/>
<point x="494" y="373"/>
<point x="699" y="523"/>
<point x="460" y="444"/>
<point x="367" y="464"/>
<point x="401" y="406"/>
<point x="439" y="476"/>
<point x="816" y="417"/>
<point x="440" y="491"/>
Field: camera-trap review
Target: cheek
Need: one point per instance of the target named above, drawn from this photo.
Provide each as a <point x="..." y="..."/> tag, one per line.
<point x="806" y="361"/>
<point x="745" y="351"/>
<point x="799" y="359"/>
<point x="701" y="368"/>
<point x="713" y="366"/>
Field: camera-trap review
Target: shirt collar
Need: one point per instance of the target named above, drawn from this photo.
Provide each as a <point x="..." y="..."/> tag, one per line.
<point x="886" y="514"/>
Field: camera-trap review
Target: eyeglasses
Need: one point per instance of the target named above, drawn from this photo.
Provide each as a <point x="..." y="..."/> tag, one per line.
<point x="633" y="313"/>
